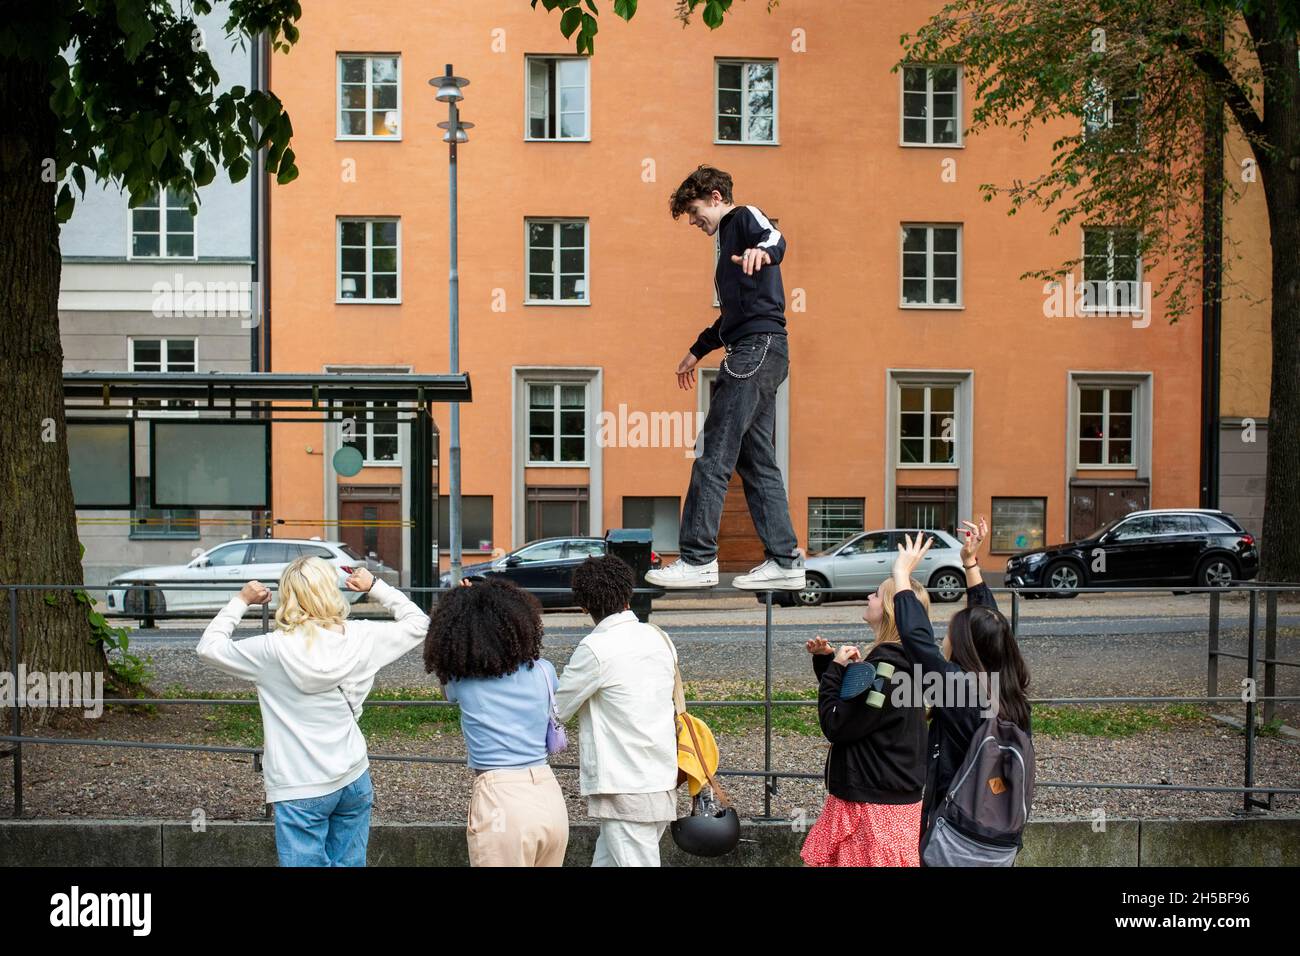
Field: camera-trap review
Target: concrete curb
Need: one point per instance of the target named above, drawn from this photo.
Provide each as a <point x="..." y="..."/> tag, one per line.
<point x="1209" y="842"/>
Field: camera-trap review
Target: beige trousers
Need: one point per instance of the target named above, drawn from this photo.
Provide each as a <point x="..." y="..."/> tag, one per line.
<point x="517" y="818"/>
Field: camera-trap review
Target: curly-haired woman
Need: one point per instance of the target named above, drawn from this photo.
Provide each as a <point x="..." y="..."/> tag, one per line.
<point x="485" y="645"/>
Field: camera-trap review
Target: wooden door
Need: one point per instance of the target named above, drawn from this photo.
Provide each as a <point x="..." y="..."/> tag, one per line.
<point x="373" y="525"/>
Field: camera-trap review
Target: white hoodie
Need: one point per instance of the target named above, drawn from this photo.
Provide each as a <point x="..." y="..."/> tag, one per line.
<point x="311" y="684"/>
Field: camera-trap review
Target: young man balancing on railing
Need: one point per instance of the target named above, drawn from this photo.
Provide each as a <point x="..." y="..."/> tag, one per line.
<point x="738" y="432"/>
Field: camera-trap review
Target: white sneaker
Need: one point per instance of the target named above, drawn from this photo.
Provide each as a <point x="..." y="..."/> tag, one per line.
<point x="679" y="574"/>
<point x="771" y="576"/>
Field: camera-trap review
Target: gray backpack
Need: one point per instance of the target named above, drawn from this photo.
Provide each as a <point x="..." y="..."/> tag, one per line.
<point x="980" y="819"/>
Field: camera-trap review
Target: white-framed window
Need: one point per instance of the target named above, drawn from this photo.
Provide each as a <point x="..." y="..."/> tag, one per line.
<point x="559" y="98"/>
<point x="162" y="227"/>
<point x="557" y="423"/>
<point x="931" y="110"/>
<point x="557" y="261"/>
<point x="1106" y="426"/>
<point x="369" y="251"/>
<point x="374" y="432"/>
<point x="745" y="101"/>
<point x="832" y="520"/>
<point x="162" y="355"/>
<point x="931" y="265"/>
<point x="927" y="425"/>
<point x="369" y="96"/>
<point x="1115" y="116"/>
<point x="1112" y="270"/>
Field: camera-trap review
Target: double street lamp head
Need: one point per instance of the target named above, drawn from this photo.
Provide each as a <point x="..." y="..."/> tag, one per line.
<point x="449" y="91"/>
<point x="449" y="86"/>
<point x="460" y="136"/>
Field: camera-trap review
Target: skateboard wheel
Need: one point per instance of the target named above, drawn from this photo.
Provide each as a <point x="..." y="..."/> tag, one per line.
<point x="885" y="669"/>
<point x="875" y="699"/>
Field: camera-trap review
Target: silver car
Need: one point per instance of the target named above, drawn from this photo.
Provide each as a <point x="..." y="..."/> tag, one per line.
<point x="863" y="562"/>
<point x="232" y="563"/>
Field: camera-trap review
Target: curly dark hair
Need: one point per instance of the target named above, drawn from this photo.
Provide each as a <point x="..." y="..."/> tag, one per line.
<point x="603" y="586"/>
<point x="699" y="185"/>
<point x="488" y="629"/>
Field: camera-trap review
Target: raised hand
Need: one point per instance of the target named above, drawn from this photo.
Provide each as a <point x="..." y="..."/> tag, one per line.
<point x="255" y="592"/>
<point x="972" y="538"/>
<point x="360" y="580"/>
<point x="909" y="556"/>
<point x="818" y="645"/>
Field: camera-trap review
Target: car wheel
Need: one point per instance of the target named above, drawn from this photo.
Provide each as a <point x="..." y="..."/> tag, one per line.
<point x="143" y="602"/>
<point x="1063" y="578"/>
<point x="948" y="585"/>
<point x="1215" y="572"/>
<point x="814" y="592"/>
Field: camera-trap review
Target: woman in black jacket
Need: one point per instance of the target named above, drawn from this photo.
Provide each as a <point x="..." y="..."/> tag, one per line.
<point x="876" y="765"/>
<point x="980" y="643"/>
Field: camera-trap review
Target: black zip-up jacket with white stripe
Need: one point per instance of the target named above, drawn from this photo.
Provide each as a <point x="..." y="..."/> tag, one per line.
<point x="750" y="303"/>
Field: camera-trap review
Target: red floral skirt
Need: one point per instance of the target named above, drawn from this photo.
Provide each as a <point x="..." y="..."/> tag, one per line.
<point x="864" y="834"/>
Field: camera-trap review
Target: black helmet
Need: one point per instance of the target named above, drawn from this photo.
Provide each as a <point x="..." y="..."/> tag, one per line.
<point x="710" y="830"/>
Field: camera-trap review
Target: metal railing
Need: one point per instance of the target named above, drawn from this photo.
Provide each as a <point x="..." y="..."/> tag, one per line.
<point x="1249" y="697"/>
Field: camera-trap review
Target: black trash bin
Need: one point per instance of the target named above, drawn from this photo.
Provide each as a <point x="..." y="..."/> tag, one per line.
<point x="632" y="545"/>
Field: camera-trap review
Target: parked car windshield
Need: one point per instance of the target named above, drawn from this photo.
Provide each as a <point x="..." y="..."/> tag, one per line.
<point x="836" y="546"/>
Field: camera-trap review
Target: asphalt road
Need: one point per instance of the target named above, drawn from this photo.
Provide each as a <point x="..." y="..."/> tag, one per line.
<point x="1079" y="649"/>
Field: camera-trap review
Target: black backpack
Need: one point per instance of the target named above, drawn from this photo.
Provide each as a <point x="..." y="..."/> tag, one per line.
<point x="980" y="819"/>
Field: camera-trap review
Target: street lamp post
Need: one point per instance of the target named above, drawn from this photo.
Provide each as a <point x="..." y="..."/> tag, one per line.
<point x="449" y="92"/>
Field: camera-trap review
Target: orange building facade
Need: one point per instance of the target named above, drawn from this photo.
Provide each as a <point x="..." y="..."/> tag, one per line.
<point x="927" y="380"/>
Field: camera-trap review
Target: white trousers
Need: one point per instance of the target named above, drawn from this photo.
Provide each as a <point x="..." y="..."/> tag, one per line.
<point x="623" y="843"/>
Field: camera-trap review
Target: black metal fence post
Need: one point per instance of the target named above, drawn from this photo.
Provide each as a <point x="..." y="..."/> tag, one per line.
<point x="17" y="645"/>
<point x="1250" y="695"/>
<point x="1270" y="654"/>
<point x="1015" y="613"/>
<point x="1212" y="666"/>
<point x="769" y="783"/>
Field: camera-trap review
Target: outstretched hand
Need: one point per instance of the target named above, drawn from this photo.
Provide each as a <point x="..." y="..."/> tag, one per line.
<point x="909" y="556"/>
<point x="972" y="538"/>
<point x="819" y="645"/>
<point x="752" y="260"/>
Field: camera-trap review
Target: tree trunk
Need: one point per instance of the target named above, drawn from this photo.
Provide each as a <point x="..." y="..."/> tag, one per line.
<point x="38" y="529"/>
<point x="1280" y="551"/>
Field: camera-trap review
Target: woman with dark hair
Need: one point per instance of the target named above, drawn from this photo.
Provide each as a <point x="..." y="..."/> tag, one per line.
<point x="485" y="645"/>
<point x="979" y="653"/>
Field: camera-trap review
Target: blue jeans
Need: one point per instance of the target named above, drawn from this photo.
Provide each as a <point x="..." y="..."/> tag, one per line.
<point x="738" y="436"/>
<point x="333" y="830"/>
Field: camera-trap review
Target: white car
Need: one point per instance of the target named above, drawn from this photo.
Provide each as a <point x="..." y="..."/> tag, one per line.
<point x="232" y="563"/>
<point x="863" y="562"/>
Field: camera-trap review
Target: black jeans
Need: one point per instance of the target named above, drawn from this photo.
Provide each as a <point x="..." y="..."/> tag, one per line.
<point x="738" y="437"/>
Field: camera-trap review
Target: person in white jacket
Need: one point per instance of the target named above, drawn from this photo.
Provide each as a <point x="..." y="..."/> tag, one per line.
<point x="620" y="683"/>
<point x="312" y="676"/>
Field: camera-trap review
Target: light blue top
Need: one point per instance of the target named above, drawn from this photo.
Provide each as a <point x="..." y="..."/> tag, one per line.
<point x="504" y="718"/>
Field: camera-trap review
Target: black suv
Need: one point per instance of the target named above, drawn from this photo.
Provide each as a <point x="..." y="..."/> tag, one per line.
<point x="1177" y="546"/>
